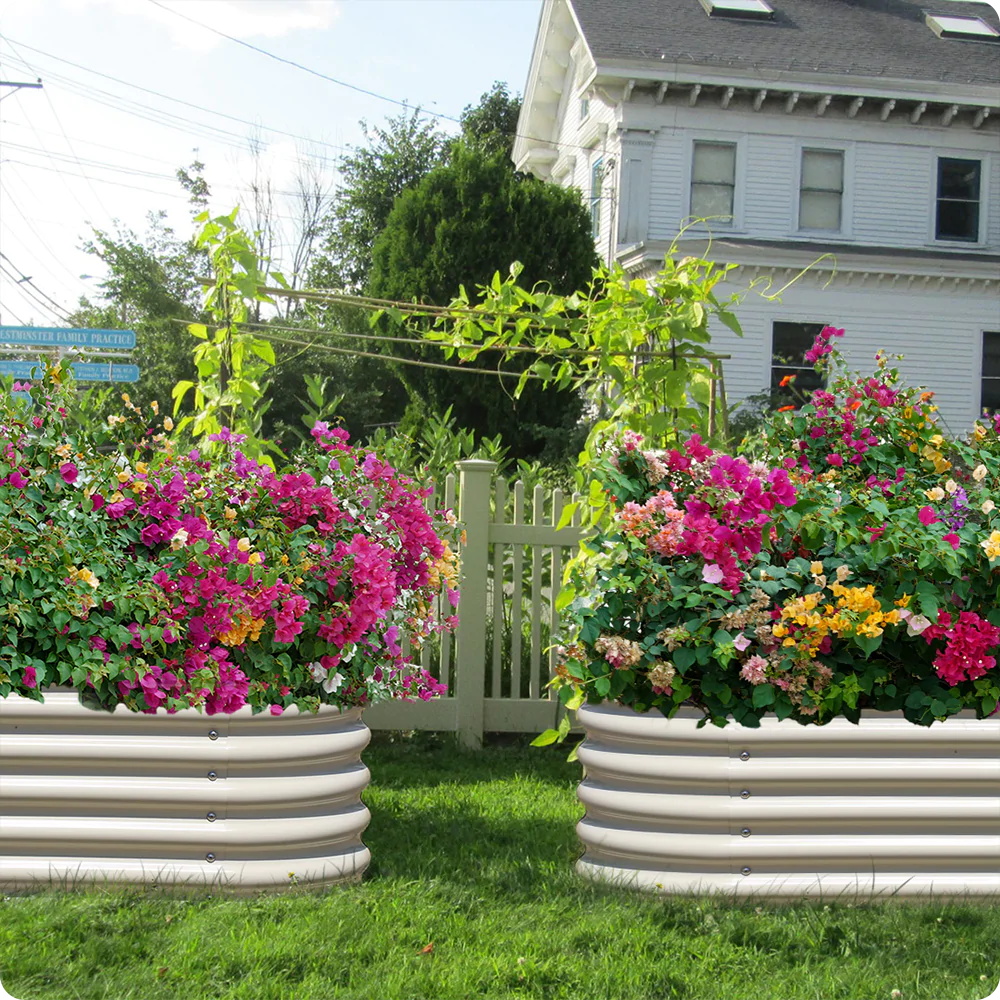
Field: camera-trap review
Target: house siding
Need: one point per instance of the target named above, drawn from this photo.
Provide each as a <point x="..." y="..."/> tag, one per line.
<point x="938" y="330"/>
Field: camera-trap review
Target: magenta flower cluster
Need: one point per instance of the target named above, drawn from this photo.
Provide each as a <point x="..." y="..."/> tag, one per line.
<point x="715" y="509"/>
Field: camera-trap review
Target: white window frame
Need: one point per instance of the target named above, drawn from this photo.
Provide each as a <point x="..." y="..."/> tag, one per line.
<point x="985" y="170"/>
<point x="594" y="201"/>
<point x="846" y="230"/>
<point x="739" y="179"/>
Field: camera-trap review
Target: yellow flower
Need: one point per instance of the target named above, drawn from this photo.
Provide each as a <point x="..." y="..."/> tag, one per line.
<point x="253" y="558"/>
<point x="991" y="545"/>
<point x="904" y="601"/>
<point x="229" y="514"/>
<point x="124" y="477"/>
<point x="243" y="545"/>
<point x="935" y="494"/>
<point x="141" y="468"/>
<point x="168" y="424"/>
<point x="85" y="576"/>
<point x="816" y="568"/>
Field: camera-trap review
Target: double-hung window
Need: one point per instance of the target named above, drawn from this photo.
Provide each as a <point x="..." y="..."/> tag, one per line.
<point x="789" y="343"/>
<point x="959" y="189"/>
<point x="713" y="182"/>
<point x="989" y="398"/>
<point x="821" y="190"/>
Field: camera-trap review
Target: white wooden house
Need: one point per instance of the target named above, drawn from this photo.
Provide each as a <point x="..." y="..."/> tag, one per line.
<point x="861" y="137"/>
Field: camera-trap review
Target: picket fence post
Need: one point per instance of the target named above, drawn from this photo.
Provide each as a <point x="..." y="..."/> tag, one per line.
<point x="475" y="485"/>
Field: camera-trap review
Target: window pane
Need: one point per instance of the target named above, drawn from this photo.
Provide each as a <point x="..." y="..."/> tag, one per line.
<point x="790" y="341"/>
<point x="823" y="169"/>
<point x="709" y="200"/>
<point x="958" y="179"/>
<point x="991" y="355"/>
<point x="714" y="163"/>
<point x="991" y="395"/>
<point x="819" y="210"/>
<point x="958" y="220"/>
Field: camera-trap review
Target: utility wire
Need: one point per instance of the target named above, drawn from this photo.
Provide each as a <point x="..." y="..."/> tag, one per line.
<point x="391" y="357"/>
<point x="177" y="100"/>
<point x="297" y="65"/>
<point x="352" y="86"/>
<point x="26" y="290"/>
<point x="24" y="279"/>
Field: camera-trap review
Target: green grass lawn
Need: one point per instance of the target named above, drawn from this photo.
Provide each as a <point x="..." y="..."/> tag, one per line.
<point x="471" y="894"/>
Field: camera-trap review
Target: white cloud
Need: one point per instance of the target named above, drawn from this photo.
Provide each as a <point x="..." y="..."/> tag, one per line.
<point x="244" y="19"/>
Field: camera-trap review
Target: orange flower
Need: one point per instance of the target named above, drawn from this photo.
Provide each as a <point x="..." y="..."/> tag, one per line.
<point x="785" y="409"/>
<point x="854" y="404"/>
<point x="787" y="380"/>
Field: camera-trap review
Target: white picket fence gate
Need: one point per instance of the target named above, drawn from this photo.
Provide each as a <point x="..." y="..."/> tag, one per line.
<point x="497" y="662"/>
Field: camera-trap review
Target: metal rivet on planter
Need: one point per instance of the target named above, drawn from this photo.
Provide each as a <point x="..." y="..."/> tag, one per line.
<point x="212" y="775"/>
<point x="745" y="794"/>
<point x="745" y="755"/>
<point x="745" y="832"/>
<point x="213" y="734"/>
<point x="210" y="857"/>
<point x="210" y="817"/>
<point x="745" y="871"/>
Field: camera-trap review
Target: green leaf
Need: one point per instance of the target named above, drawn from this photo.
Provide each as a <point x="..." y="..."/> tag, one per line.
<point x="763" y="695"/>
<point x="545" y="739"/>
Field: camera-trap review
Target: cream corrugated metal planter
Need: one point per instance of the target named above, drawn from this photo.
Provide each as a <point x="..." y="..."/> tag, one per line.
<point x="885" y="807"/>
<point x="248" y="802"/>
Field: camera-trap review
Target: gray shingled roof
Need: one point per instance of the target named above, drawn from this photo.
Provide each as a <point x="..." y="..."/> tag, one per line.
<point x="854" y="37"/>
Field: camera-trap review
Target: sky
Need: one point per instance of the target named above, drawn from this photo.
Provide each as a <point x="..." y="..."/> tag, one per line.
<point x="100" y="151"/>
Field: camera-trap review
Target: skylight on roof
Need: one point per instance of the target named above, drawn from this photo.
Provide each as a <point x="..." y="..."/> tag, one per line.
<point x="956" y="26"/>
<point x="738" y="8"/>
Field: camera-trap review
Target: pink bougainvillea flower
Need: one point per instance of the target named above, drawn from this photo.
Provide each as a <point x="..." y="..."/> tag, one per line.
<point x="69" y="472"/>
<point x="927" y="516"/>
<point x="953" y="540"/>
<point x="712" y="573"/>
<point x="29" y="677"/>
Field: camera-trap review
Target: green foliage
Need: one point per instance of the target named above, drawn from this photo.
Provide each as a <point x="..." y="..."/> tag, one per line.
<point x="636" y="348"/>
<point x="395" y="158"/>
<point x="456" y="228"/>
<point x="491" y="125"/>
<point x="231" y="363"/>
<point x="854" y="565"/>
<point x="151" y="287"/>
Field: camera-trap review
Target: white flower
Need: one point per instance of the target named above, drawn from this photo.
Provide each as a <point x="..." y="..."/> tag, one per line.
<point x="179" y="539"/>
<point x="951" y="486"/>
<point x="915" y="624"/>
<point x="979" y="473"/>
<point x="988" y="507"/>
<point x="318" y="671"/>
<point x="332" y="684"/>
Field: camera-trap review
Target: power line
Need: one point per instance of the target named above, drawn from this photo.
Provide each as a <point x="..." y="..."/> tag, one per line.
<point x="177" y="100"/>
<point x="24" y="279"/>
<point x="297" y="65"/>
<point x="7" y="309"/>
<point x="350" y="86"/>
<point x="25" y="289"/>
<point x="392" y="357"/>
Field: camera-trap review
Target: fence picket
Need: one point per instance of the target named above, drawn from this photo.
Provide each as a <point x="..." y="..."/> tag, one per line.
<point x="498" y="619"/>
<point x="517" y="596"/>
<point x="537" y="517"/>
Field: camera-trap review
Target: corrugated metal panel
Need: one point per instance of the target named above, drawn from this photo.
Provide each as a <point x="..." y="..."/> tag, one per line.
<point x="242" y="801"/>
<point x="785" y="810"/>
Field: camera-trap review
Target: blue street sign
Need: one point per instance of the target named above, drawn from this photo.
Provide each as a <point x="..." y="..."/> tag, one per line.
<point x="53" y="336"/>
<point x="82" y="371"/>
